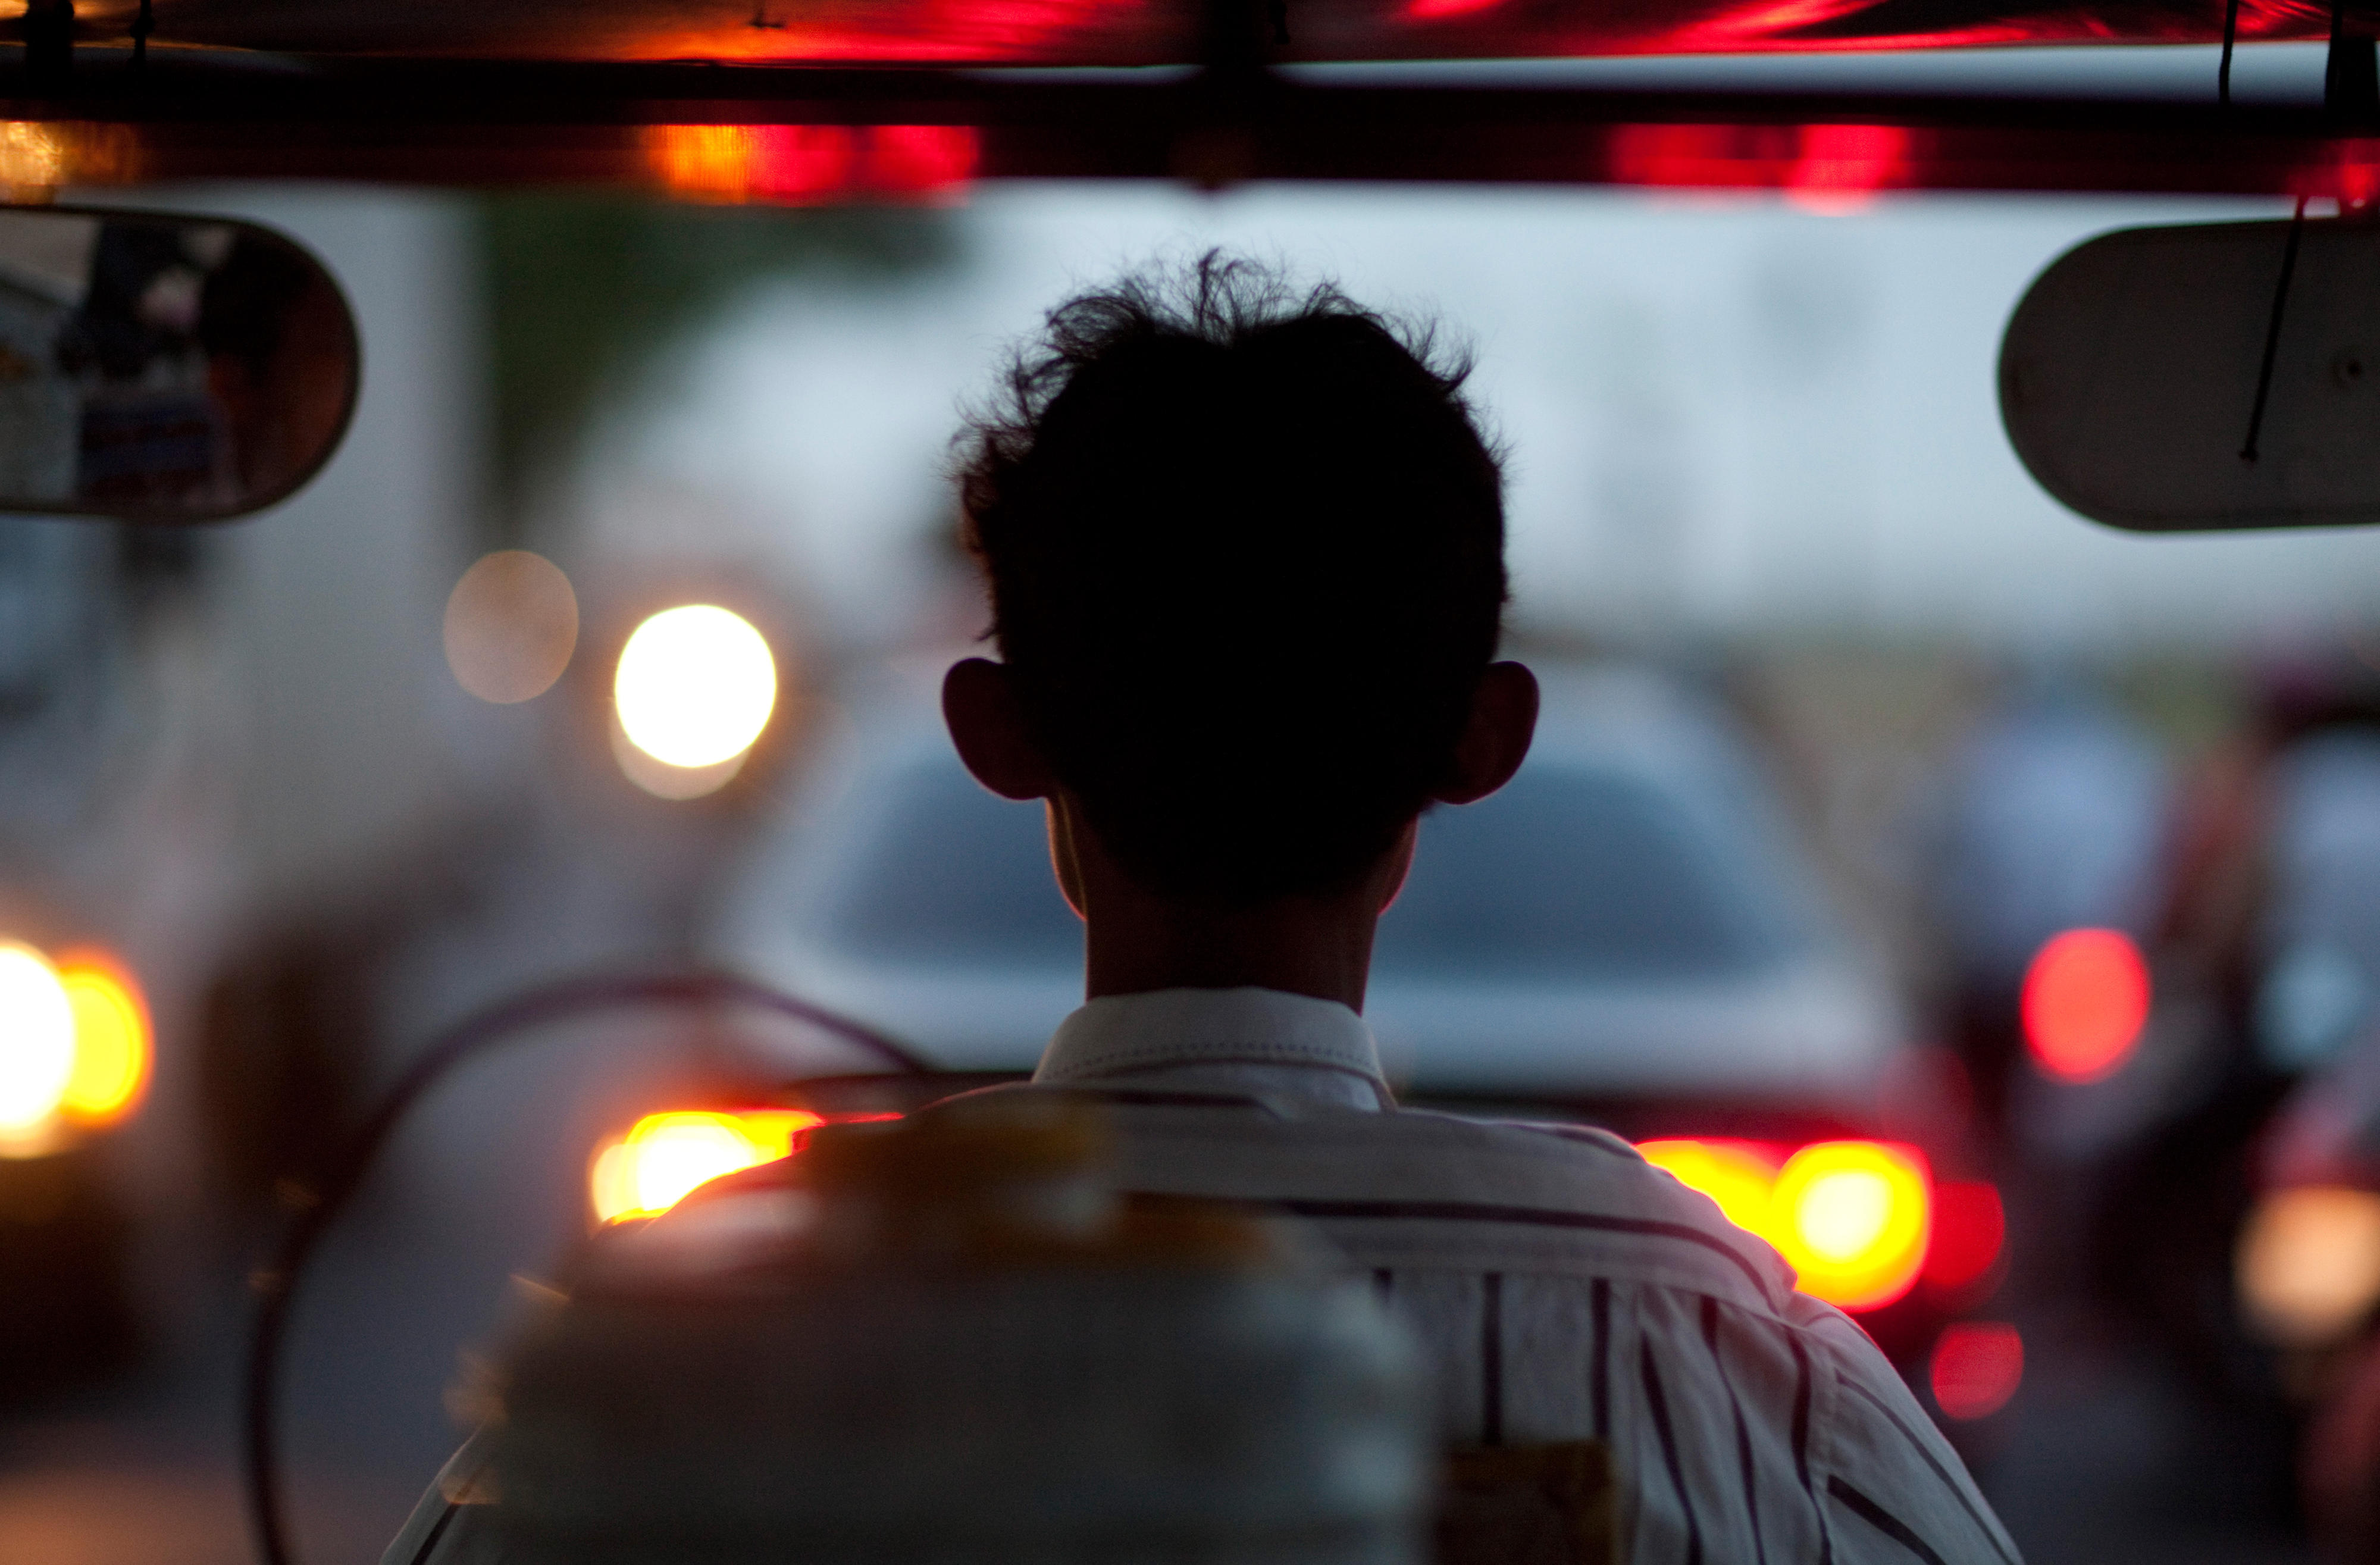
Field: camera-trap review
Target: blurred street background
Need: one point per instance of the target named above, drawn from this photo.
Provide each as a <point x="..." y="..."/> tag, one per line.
<point x="324" y="781"/>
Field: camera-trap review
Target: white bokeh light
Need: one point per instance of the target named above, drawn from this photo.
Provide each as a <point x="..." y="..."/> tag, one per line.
<point x="37" y="1039"/>
<point x="695" y="686"/>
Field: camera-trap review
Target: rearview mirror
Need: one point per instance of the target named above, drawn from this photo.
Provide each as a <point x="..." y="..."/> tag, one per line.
<point x="165" y="368"/>
<point x="2192" y="378"/>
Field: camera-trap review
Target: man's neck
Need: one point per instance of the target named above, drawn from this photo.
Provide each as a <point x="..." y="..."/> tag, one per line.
<point x="1292" y="946"/>
<point x="1318" y="945"/>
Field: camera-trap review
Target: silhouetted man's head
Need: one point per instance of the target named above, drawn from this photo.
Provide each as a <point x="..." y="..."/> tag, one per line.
<point x="1245" y="550"/>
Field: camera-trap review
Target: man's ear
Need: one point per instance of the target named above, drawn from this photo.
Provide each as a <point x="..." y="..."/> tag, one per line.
<point x="1495" y="738"/>
<point x="979" y="706"/>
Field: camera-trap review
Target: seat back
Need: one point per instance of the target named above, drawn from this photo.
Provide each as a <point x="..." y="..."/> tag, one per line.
<point x="1555" y="1504"/>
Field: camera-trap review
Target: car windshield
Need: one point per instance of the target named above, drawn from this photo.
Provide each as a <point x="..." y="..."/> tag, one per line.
<point x="1576" y="875"/>
<point x="1570" y="874"/>
<point x="949" y="872"/>
<point x="1879" y="799"/>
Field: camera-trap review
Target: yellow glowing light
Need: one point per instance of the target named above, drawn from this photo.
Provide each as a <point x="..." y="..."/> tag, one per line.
<point x="1843" y="1213"/>
<point x="37" y="1040"/>
<point x="650" y="1170"/>
<point x="1736" y="1175"/>
<point x="695" y="686"/>
<point x="1853" y="1218"/>
<point x="112" y="1048"/>
<point x="38" y="155"/>
<point x="2309" y="1264"/>
<point x="510" y="624"/>
<point x="32" y="153"/>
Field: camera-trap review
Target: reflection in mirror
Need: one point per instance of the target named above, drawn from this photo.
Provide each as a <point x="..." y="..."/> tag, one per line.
<point x="2200" y="377"/>
<point x="163" y="368"/>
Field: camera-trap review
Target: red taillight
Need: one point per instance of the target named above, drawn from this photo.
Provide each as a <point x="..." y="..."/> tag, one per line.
<point x="1969" y="1226"/>
<point x="2086" y="999"/>
<point x="1976" y="1367"/>
<point x="1855" y="1218"/>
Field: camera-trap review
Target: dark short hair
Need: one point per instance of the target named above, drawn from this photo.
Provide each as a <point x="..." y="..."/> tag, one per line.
<point x="1245" y="548"/>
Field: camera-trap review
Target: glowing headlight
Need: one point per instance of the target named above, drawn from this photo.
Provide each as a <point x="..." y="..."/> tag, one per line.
<point x="74" y="1045"/>
<point x="695" y="686"/>
<point x="37" y="1040"/>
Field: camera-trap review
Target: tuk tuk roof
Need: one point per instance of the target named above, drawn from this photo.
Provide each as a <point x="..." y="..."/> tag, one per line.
<point x="823" y="100"/>
<point x="1147" y="32"/>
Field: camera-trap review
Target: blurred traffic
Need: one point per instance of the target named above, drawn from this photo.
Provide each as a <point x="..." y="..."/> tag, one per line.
<point x="1988" y="918"/>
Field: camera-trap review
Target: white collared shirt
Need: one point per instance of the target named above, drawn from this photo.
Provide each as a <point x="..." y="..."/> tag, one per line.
<point x="1247" y="1040"/>
<point x="1562" y="1287"/>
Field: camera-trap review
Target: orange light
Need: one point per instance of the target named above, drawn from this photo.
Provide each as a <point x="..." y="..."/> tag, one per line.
<point x="651" y="1168"/>
<point x="1976" y="1367"/>
<point x="2086" y="999"/>
<point x="1853" y="1218"/>
<point x="2308" y="1264"/>
<point x="37" y="155"/>
<point x="1740" y="1175"/>
<point x="113" y="1039"/>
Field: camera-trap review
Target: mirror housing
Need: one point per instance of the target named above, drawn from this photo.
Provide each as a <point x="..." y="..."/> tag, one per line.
<point x="2134" y="386"/>
<point x="165" y="368"/>
<point x="2130" y="377"/>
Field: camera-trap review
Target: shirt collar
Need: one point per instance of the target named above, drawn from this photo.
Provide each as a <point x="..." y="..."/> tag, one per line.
<point x="1165" y="1029"/>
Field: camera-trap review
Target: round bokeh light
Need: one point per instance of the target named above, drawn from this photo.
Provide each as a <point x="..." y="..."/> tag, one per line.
<point x="695" y="686"/>
<point x="37" y="1038"/>
<point x="512" y="623"/>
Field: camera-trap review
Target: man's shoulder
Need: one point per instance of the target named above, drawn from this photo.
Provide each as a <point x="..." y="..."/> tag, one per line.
<point x="1416" y="1187"/>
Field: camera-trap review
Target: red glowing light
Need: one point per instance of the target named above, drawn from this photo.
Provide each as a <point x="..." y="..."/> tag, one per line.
<point x="799" y="163"/>
<point x="1976" y="1367"/>
<point x="1840" y="167"/>
<point x="2350" y="176"/>
<point x="921" y="160"/>
<point x="1852" y="1218"/>
<point x="2086" y="999"/>
<point x="1969" y="1228"/>
<point x="1431" y="10"/>
<point x="1830" y="167"/>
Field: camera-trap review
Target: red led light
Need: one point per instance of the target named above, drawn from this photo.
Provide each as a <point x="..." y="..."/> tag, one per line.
<point x="800" y="164"/>
<point x="2086" y="999"/>
<point x="1830" y="167"/>
<point x="921" y="160"/>
<point x="1969" y="1228"/>
<point x="1976" y="1367"/>
<point x="1431" y="10"/>
<point x="1840" y="167"/>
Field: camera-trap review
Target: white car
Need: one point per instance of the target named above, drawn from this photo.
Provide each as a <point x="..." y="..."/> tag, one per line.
<point x="1625" y="935"/>
<point x="1626" y="929"/>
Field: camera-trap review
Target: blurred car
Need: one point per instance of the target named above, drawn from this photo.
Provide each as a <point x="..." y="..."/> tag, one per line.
<point x="100" y="890"/>
<point x="1625" y="935"/>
